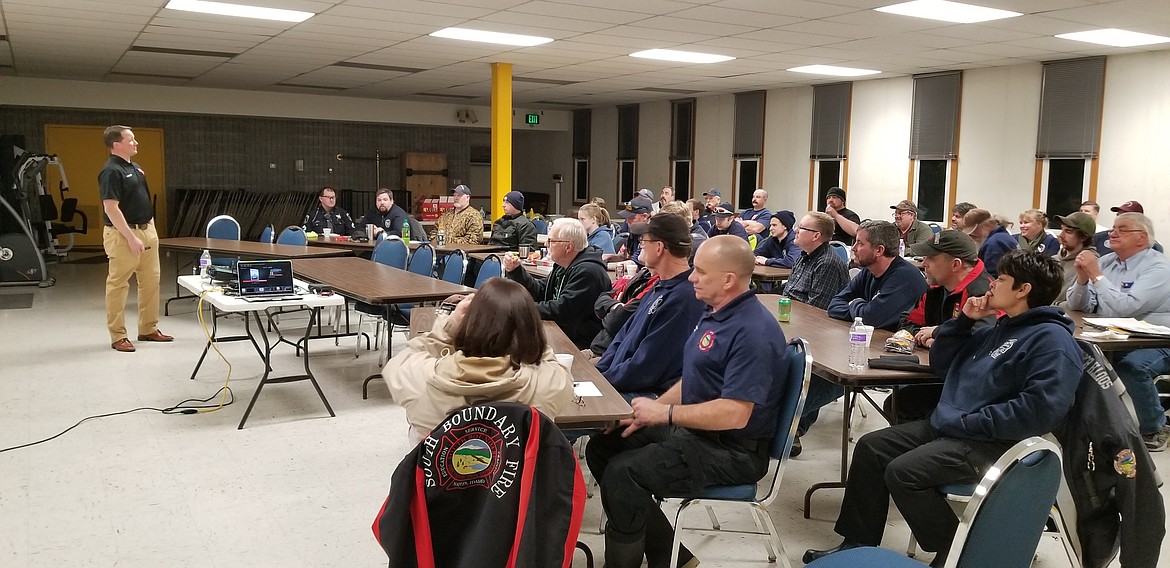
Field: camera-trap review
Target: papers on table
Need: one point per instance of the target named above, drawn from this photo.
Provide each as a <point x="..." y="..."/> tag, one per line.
<point x="585" y="388"/>
<point x="1129" y="325"/>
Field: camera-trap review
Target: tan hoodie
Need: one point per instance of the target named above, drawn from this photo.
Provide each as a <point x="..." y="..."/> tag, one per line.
<point x="429" y="379"/>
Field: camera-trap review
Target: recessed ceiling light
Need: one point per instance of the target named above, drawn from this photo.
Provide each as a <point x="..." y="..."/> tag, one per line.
<point x="681" y="56"/>
<point x="239" y="10"/>
<point x="947" y="11"/>
<point x="833" y="70"/>
<point x="490" y="37"/>
<point x="1115" y="37"/>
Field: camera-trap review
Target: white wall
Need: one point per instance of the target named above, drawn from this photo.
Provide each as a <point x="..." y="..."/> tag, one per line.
<point x="879" y="145"/>
<point x="714" y="132"/>
<point x="787" y="128"/>
<point x="1135" y="137"/>
<point x="198" y="100"/>
<point x="997" y="138"/>
<point x="603" y="156"/>
<point x="654" y="145"/>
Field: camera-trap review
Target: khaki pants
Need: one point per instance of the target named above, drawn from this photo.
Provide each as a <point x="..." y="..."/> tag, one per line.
<point x="124" y="263"/>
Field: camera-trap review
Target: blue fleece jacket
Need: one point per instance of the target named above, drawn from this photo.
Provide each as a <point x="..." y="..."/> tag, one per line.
<point x="782" y="253"/>
<point x="1009" y="381"/>
<point x="998" y="243"/>
<point x="602" y="238"/>
<point x="880" y="302"/>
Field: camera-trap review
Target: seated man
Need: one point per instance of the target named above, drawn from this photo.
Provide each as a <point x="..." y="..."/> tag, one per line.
<point x="638" y="210"/>
<point x="820" y="272"/>
<point x="1130" y="282"/>
<point x="1101" y="239"/>
<point x="757" y="219"/>
<point x="385" y="216"/>
<point x="461" y="225"/>
<point x="1076" y="235"/>
<point x="958" y="212"/>
<point x="991" y="231"/>
<point x="955" y="273"/>
<point x="846" y="220"/>
<point x="779" y="249"/>
<point x="886" y="287"/>
<point x="910" y="229"/>
<point x="1003" y="383"/>
<point x="712" y="427"/>
<point x="725" y="224"/>
<point x="327" y="215"/>
<point x="712" y="200"/>
<point x="576" y="280"/>
<point x="513" y="229"/>
<point x="641" y="360"/>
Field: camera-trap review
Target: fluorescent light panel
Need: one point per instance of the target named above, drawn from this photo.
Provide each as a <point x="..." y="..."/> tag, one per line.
<point x="947" y="11"/>
<point x="681" y="56"/>
<point x="490" y="37"/>
<point x="239" y="10"/>
<point x="833" y="70"/>
<point x="1115" y="37"/>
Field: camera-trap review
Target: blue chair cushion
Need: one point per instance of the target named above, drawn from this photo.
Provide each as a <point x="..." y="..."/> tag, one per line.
<point x="743" y="492"/>
<point x="865" y="556"/>
<point x="967" y="489"/>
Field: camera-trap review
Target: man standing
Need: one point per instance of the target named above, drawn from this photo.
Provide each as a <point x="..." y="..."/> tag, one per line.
<point x="461" y="224"/>
<point x="955" y="273"/>
<point x="576" y="280"/>
<point x="846" y="220"/>
<point x="779" y="249"/>
<point x="725" y="225"/>
<point x="757" y="219"/>
<point x="820" y="272"/>
<point x="326" y="215"/>
<point x="910" y="229"/>
<point x="1130" y="282"/>
<point x="386" y="216"/>
<point x="634" y="363"/>
<point x="130" y="240"/>
<point x="513" y="229"/>
<point x="996" y="392"/>
<point x="1076" y="235"/>
<point x="711" y="428"/>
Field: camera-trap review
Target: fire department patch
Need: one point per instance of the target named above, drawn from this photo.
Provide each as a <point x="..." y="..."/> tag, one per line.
<point x="1125" y="463"/>
<point x="707" y="341"/>
<point x="469" y="457"/>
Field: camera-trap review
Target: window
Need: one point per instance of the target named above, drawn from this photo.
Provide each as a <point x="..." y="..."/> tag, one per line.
<point x="827" y="174"/>
<point x="627" y="175"/>
<point x="1065" y="185"/>
<point x="580" y="180"/>
<point x="682" y="146"/>
<point x="582" y="139"/>
<point x="681" y="179"/>
<point x="932" y="183"/>
<point x="747" y="181"/>
<point x="830" y="125"/>
<point x="1070" y="108"/>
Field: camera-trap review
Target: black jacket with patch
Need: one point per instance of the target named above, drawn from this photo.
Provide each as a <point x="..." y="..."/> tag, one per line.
<point x="568" y="294"/>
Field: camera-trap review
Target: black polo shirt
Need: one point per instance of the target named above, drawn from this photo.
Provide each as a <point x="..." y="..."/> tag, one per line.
<point x="125" y="183"/>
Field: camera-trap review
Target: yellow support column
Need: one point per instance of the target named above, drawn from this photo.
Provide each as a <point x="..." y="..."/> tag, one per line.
<point x="501" y="135"/>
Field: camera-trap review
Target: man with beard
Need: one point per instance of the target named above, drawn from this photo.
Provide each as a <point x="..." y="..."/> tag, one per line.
<point x="385" y="216"/>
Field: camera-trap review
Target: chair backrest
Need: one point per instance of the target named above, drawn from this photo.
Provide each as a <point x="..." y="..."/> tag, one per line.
<point x="1002" y="524"/>
<point x="267" y="233"/>
<point x="935" y="228"/>
<point x="422" y="261"/>
<point x="490" y="268"/>
<point x="454" y="268"/>
<point x="391" y="252"/>
<point x="541" y="226"/>
<point x="292" y="235"/>
<point x="795" y="385"/>
<point x="417" y="232"/>
<point x="842" y="249"/>
<point x="223" y="227"/>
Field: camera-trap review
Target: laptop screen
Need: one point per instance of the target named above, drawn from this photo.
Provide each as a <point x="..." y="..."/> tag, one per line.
<point x="265" y="277"/>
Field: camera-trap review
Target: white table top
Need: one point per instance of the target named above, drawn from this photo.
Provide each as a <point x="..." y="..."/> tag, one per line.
<point x="225" y="303"/>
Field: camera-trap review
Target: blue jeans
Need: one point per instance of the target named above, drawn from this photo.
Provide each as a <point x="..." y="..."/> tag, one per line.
<point x="1137" y="370"/>
<point x="820" y="393"/>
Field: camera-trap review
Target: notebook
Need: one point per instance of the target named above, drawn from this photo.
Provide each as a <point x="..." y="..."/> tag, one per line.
<point x="266" y="280"/>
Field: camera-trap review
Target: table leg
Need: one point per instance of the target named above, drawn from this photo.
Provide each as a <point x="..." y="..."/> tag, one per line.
<point x="178" y="291"/>
<point x="846" y="420"/>
<point x="314" y="314"/>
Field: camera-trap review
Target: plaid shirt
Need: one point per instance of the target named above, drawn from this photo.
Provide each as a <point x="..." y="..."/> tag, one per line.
<point x="817" y="277"/>
<point x="461" y="228"/>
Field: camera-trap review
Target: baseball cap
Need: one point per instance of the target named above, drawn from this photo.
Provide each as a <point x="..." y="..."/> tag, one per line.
<point x="714" y="192"/>
<point x="835" y="192"/>
<point x="905" y="205"/>
<point x="786" y="217"/>
<point x="955" y="243"/>
<point x="646" y="193"/>
<point x="1128" y="207"/>
<point x="462" y="190"/>
<point x="722" y="212"/>
<point x="671" y="229"/>
<point x="1082" y="222"/>
<point x="974" y="218"/>
<point x="635" y="206"/>
<point x="515" y="198"/>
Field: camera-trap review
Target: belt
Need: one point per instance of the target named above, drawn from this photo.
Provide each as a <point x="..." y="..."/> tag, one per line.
<point x="141" y="226"/>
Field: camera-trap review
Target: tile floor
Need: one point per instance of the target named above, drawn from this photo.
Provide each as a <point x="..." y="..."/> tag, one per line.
<point x="295" y="488"/>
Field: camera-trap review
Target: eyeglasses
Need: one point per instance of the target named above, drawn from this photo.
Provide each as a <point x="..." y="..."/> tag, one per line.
<point x="803" y="228"/>
<point x="1123" y="231"/>
<point x="329" y="196"/>
<point x="901" y="212"/>
<point x="557" y="241"/>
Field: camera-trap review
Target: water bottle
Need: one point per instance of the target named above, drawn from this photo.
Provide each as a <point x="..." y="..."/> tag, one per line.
<point x="205" y="264"/>
<point x="405" y="230"/>
<point x="858" y="346"/>
<point x="442" y="237"/>
<point x="901" y="248"/>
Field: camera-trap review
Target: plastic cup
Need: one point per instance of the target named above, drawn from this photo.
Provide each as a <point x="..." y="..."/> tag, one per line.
<point x="327" y="233"/>
<point x="565" y="359"/>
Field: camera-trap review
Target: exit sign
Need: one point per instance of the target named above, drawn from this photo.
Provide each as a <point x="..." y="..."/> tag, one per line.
<point x="533" y="118"/>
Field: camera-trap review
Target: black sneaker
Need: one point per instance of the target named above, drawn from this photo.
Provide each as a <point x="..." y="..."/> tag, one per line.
<point x="796" y="449"/>
<point x="1156" y="442"/>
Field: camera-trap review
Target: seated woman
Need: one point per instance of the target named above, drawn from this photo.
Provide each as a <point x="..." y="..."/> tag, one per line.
<point x="1032" y="235"/>
<point x="491" y="348"/>
<point x="596" y="222"/>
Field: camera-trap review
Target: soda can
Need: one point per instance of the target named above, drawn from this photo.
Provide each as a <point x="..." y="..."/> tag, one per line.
<point x="620" y="270"/>
<point x="784" y="309"/>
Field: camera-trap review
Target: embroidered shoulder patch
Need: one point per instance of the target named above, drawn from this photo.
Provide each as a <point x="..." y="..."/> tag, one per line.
<point x="1125" y="463"/>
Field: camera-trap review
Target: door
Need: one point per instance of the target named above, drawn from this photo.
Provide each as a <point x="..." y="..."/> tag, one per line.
<point x="83" y="154"/>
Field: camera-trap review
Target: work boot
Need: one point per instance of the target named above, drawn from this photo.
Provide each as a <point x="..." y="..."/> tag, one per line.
<point x="812" y="554"/>
<point x="620" y="554"/>
<point x="659" y="537"/>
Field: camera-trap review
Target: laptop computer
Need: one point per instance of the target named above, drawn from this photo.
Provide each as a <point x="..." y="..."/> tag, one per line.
<point x="266" y="280"/>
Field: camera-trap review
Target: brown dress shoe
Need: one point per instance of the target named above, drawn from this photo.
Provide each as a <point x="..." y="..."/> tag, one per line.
<point x="156" y="335"/>
<point x="123" y="345"/>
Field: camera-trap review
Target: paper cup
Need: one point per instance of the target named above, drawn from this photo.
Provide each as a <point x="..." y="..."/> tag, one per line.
<point x="565" y="359"/>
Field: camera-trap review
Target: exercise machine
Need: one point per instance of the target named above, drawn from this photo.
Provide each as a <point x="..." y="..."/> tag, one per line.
<point x="26" y="235"/>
